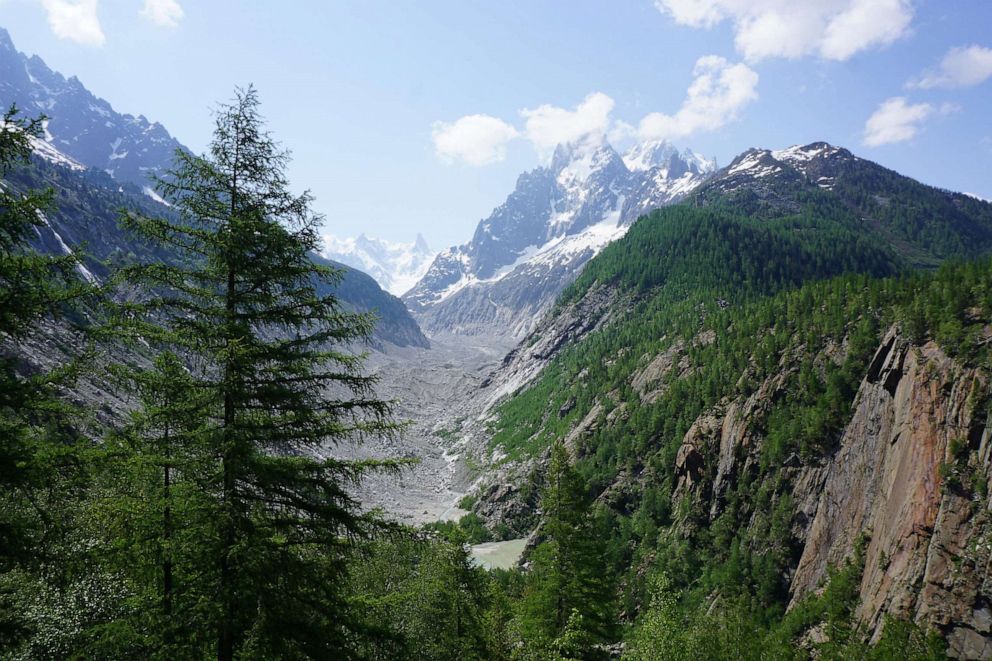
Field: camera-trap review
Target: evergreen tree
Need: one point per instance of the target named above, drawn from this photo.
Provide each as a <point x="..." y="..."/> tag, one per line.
<point x="268" y="348"/>
<point x="151" y="505"/>
<point x="430" y="598"/>
<point x="37" y="470"/>
<point x="569" y="594"/>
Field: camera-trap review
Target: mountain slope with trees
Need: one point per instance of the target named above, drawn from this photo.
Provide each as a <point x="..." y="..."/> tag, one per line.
<point x="769" y="333"/>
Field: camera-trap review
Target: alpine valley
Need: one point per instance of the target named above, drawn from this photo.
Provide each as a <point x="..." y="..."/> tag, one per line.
<point x="652" y="409"/>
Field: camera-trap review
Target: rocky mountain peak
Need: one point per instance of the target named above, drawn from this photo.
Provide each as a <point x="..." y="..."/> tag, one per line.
<point x="661" y="154"/>
<point x="649" y="154"/>
<point x="819" y="163"/>
<point x="6" y="43"/>
<point x="579" y="160"/>
<point x="83" y="126"/>
<point x="800" y="155"/>
<point x="537" y="241"/>
<point x="420" y="244"/>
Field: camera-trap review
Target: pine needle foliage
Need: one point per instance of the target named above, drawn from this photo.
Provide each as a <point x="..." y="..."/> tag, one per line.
<point x="276" y="380"/>
<point x="38" y="462"/>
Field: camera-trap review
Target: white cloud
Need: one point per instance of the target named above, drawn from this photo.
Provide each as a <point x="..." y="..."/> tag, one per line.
<point x="965" y="66"/>
<point x="166" y="13"/>
<point x="716" y="96"/>
<point x="548" y="126"/>
<point x="832" y="29"/>
<point x="719" y="91"/>
<point x="75" y="20"/>
<point x="895" y="120"/>
<point x="474" y="139"/>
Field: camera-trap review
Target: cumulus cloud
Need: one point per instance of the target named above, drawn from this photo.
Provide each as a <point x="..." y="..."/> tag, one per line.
<point x="832" y="29"/>
<point x="965" y="66"/>
<point x="75" y="20"/>
<point x="718" y="93"/>
<point x="474" y="139"/>
<point x="716" y="96"/>
<point x="548" y="126"/>
<point x="896" y="120"/>
<point x="166" y="13"/>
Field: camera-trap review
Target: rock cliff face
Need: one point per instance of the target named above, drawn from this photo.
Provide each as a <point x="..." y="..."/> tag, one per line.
<point x="908" y="479"/>
<point x="913" y="463"/>
<point x="553" y="333"/>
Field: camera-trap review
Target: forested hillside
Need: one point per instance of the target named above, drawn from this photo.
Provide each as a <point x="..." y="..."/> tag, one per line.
<point x="705" y="419"/>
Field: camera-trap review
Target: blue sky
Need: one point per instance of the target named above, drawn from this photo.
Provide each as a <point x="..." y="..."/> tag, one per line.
<point x="369" y="95"/>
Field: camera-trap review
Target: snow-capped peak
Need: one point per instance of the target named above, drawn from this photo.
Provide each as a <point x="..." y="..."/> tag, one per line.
<point x="649" y="154"/>
<point x="662" y="154"/>
<point x="556" y="219"/>
<point x="395" y="266"/>
<point x="577" y="161"/>
<point x="703" y="165"/>
<point x="804" y="153"/>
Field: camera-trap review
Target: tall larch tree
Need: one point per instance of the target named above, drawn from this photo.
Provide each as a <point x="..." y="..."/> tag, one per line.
<point x="270" y="348"/>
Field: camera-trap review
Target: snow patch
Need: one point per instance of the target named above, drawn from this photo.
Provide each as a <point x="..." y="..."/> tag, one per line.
<point x="557" y="251"/>
<point x="150" y="192"/>
<point x="752" y="165"/>
<point x="83" y="271"/>
<point x="47" y="152"/>
<point x="801" y="153"/>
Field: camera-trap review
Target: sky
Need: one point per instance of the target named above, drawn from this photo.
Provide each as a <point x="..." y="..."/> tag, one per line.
<point x="408" y="117"/>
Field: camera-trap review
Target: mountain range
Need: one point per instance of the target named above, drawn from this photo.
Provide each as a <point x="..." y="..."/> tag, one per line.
<point x="772" y="378"/>
<point x="100" y="161"/>
<point x="396" y="266"/>
<point x="776" y="391"/>
<point x="557" y="217"/>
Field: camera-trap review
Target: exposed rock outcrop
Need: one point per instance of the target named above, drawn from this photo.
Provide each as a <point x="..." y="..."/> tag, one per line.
<point x="908" y="478"/>
<point x="555" y="332"/>
<point x="908" y="475"/>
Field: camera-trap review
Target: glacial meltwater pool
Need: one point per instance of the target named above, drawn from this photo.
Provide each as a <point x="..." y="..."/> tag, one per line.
<point x="499" y="555"/>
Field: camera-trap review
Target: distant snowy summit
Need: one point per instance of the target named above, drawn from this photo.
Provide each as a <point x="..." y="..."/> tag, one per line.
<point x="558" y="216"/>
<point x="397" y="267"/>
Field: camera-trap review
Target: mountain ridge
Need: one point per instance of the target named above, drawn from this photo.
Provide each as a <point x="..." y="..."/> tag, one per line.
<point x="396" y="266"/>
<point x="82" y="125"/>
<point x="762" y="387"/>
<point x="556" y="218"/>
<point x="100" y="161"/>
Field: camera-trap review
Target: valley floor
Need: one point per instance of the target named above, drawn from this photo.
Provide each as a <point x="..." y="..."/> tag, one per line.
<point x="432" y="389"/>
